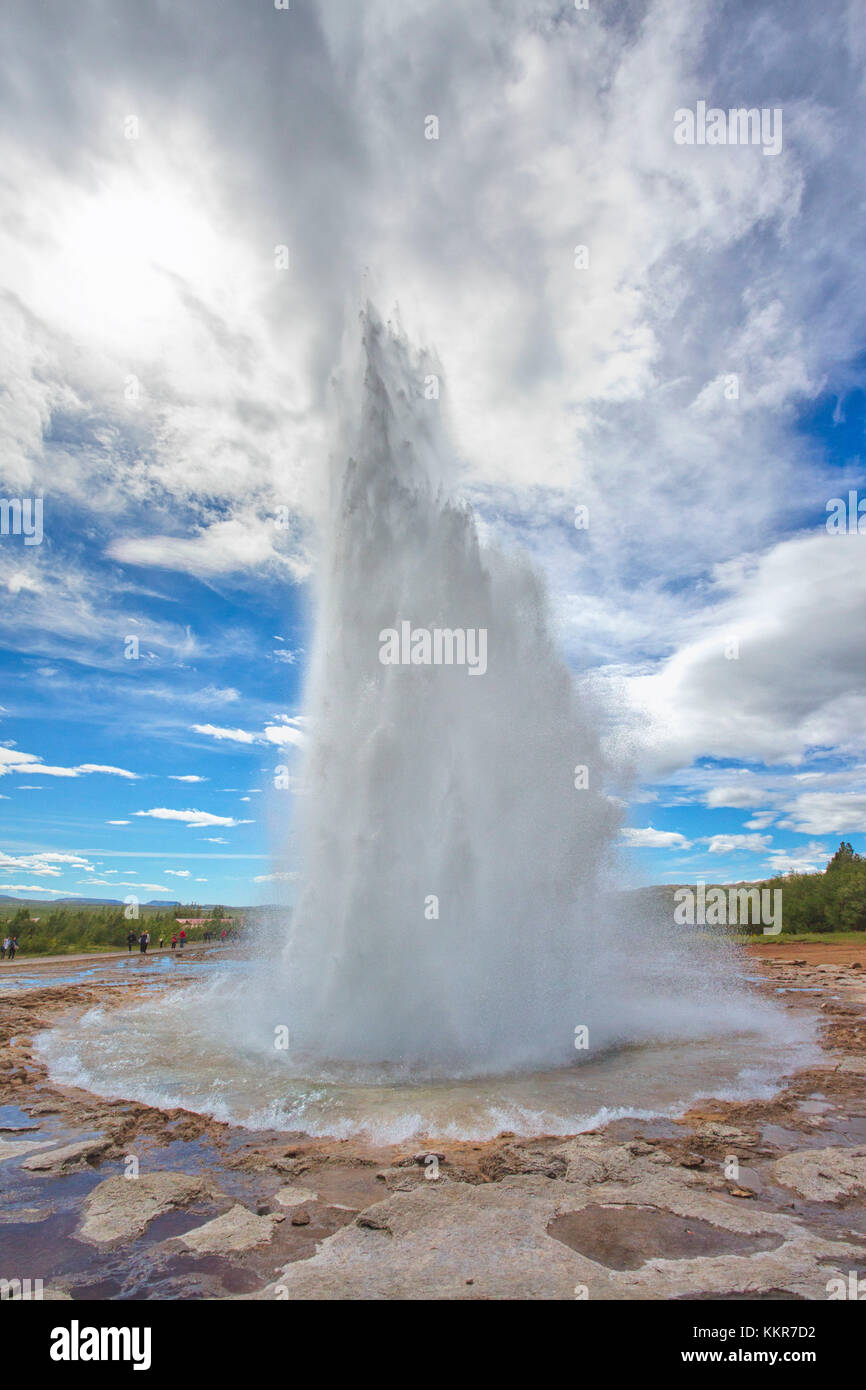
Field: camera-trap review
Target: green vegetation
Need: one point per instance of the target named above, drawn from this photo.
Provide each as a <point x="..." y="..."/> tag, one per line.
<point x="825" y="906"/>
<point x="47" y="930"/>
<point x="832" y="901"/>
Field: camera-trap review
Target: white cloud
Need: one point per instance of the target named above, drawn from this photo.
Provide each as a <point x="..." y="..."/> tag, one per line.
<point x="289" y="730"/>
<point x="48" y="862"/>
<point x="232" y="735"/>
<point x="245" y="542"/>
<point x="189" y="777"/>
<point x="36" y="888"/>
<point x="109" y="771"/>
<point x="647" y="837"/>
<point x="727" y="844"/>
<point x="798" y="614"/>
<point x="826" y="813"/>
<point x="191" y="818"/>
<point x="120" y="883"/>
<point x="178" y="873"/>
<point x="13" y="760"/>
<point x="804" y="859"/>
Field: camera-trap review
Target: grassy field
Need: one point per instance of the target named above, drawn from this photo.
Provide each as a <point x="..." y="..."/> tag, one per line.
<point x="49" y="930"/>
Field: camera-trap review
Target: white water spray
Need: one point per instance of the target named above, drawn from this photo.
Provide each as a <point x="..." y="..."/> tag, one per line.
<point x="453" y="919"/>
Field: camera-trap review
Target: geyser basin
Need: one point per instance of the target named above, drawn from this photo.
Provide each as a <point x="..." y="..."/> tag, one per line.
<point x="167" y="1052"/>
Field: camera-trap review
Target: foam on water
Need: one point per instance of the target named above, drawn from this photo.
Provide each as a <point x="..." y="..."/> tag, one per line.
<point x="166" y="1052"/>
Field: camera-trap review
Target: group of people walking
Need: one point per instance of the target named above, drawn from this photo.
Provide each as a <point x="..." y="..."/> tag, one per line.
<point x="10" y="946"/>
<point x="143" y="939"/>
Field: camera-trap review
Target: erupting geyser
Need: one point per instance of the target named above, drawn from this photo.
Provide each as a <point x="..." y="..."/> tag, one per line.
<point x="454" y="918"/>
<point x="437" y="788"/>
<point x="456" y="932"/>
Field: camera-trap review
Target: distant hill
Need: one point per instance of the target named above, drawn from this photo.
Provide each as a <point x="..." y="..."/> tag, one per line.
<point x="166" y="906"/>
<point x="81" y="902"/>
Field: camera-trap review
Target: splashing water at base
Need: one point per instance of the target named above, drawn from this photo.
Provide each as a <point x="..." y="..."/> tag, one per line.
<point x="455" y="920"/>
<point x="166" y="1052"/>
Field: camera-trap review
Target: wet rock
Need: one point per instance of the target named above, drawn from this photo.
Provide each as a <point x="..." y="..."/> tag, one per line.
<point x="293" y="1196"/>
<point x="823" y="1175"/>
<point x="236" y="1229"/>
<point x="67" y="1158"/>
<point x="500" y="1231"/>
<point x="17" y="1148"/>
<point x="121" y="1208"/>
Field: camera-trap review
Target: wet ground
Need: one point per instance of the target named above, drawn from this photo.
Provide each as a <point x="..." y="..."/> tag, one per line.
<point x="749" y="1199"/>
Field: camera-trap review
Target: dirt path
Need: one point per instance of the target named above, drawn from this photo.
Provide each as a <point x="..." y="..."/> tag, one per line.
<point x="24" y="963"/>
<point x="851" y="953"/>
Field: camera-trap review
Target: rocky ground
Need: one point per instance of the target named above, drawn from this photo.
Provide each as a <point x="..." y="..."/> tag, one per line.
<point x="757" y="1200"/>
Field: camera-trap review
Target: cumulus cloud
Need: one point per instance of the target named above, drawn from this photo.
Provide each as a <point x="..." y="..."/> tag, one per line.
<point x="647" y="837"/>
<point x="49" y="863"/>
<point x="726" y="844"/>
<point x="806" y="859"/>
<point x="779" y="667"/>
<point x="825" y="813"/>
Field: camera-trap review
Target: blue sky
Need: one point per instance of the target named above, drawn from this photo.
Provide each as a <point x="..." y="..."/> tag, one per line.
<point x="167" y="391"/>
<point x="203" y="731"/>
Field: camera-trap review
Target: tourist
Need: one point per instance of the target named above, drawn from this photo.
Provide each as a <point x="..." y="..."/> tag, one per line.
<point x="160" y="943"/>
<point x="5" y="947"/>
<point x="174" y="941"/>
<point x="142" y="943"/>
<point x="130" y="940"/>
<point x="13" y="947"/>
<point x="182" y="937"/>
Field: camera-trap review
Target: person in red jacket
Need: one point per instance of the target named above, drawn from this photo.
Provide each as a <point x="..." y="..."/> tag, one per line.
<point x="182" y="937"/>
